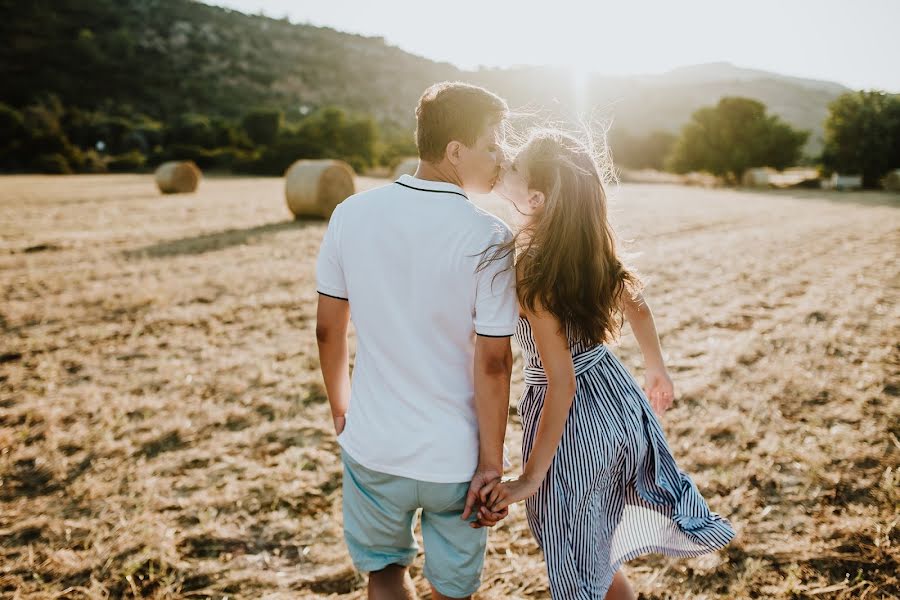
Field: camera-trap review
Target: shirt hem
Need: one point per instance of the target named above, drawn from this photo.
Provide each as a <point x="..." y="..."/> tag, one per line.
<point x="332" y="292"/>
<point x="407" y="473"/>
<point x="495" y="330"/>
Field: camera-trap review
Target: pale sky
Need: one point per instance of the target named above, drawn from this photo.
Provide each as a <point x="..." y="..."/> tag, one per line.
<point x="855" y="43"/>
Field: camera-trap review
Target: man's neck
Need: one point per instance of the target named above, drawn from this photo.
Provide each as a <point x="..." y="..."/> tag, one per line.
<point x="442" y="171"/>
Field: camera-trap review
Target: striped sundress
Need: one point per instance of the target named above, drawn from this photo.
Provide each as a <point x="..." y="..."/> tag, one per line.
<point x="613" y="491"/>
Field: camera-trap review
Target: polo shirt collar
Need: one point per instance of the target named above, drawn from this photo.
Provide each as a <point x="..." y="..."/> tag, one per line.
<point x="431" y="186"/>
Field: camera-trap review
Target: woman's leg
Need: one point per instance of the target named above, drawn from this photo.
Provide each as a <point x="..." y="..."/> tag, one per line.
<point x="620" y="588"/>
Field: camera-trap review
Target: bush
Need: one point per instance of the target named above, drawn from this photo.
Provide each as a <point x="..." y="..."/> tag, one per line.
<point x="246" y="162"/>
<point x="134" y="140"/>
<point x="393" y="151"/>
<point x="183" y="152"/>
<point x="12" y="124"/>
<point x="217" y="158"/>
<point x="262" y="126"/>
<point x="221" y="158"/>
<point x="44" y="132"/>
<point x="358" y="140"/>
<point x="55" y="164"/>
<point x="12" y="135"/>
<point x="358" y="163"/>
<point x="119" y="134"/>
<point x="128" y="162"/>
<point x="93" y="162"/>
<point x="226" y="134"/>
<point x="191" y="130"/>
<point x="288" y="148"/>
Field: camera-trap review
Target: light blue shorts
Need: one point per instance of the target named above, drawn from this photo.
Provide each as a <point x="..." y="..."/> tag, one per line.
<point x="379" y="517"/>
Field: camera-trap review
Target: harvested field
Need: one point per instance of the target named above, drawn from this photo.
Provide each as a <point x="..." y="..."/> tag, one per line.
<point x="164" y="431"/>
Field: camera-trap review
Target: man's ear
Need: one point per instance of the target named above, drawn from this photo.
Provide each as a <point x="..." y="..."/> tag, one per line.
<point x="453" y="152"/>
<point x="536" y="200"/>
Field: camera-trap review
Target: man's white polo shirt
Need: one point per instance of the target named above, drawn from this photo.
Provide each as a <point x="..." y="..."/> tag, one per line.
<point x="405" y="256"/>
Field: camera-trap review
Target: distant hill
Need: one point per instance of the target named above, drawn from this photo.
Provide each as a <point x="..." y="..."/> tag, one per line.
<point x="666" y="101"/>
<point x="163" y="58"/>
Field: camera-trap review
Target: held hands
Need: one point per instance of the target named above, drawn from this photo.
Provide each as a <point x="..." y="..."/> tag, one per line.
<point x="659" y="389"/>
<point x="498" y="495"/>
<point x="474" y="504"/>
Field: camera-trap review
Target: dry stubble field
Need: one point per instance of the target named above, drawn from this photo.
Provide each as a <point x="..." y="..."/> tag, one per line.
<point x="164" y="433"/>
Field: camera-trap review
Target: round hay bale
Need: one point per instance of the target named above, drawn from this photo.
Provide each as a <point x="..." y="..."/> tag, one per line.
<point x="407" y="166"/>
<point x="891" y="181"/>
<point x="313" y="188"/>
<point x="178" y="177"/>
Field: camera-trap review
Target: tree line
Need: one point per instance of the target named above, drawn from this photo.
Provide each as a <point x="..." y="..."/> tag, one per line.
<point x="862" y="137"/>
<point x="48" y="137"/>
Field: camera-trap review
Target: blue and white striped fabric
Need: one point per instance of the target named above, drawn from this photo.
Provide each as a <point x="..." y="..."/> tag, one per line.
<point x="613" y="491"/>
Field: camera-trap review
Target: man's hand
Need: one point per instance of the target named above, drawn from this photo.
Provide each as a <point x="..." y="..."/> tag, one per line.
<point x="482" y="477"/>
<point x="339" y="424"/>
<point x="487" y="518"/>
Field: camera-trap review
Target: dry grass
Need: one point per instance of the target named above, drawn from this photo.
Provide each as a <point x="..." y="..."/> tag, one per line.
<point x="163" y="430"/>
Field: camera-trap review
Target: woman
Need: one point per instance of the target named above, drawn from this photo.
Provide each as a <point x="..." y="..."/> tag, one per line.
<point x="599" y="482"/>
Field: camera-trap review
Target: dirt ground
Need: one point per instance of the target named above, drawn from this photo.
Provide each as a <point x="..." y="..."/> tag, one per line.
<point x="164" y="431"/>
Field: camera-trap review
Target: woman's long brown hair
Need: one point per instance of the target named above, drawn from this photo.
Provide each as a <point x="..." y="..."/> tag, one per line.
<point x="566" y="261"/>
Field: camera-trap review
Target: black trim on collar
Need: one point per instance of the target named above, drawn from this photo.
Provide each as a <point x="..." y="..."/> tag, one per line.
<point x="493" y="336"/>
<point x="435" y="191"/>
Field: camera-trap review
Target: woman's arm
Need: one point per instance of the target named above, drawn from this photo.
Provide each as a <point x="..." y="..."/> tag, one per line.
<point x="658" y="385"/>
<point x="553" y="347"/>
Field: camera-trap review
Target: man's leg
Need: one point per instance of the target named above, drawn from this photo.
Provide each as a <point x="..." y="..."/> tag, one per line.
<point x="392" y="583"/>
<point x="379" y="511"/>
<point x="454" y="551"/>
<point x="436" y="595"/>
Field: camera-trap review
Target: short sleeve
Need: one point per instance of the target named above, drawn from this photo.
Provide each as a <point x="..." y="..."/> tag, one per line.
<point x="496" y="308"/>
<point x="329" y="266"/>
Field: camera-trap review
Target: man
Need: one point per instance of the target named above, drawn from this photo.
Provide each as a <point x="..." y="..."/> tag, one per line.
<point x="423" y="426"/>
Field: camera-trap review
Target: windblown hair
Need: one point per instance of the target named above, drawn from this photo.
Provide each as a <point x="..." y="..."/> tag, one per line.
<point x="567" y="262"/>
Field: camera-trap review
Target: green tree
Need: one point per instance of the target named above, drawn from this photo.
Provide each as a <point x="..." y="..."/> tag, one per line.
<point x="12" y="135"/>
<point x="262" y="126"/>
<point x="46" y="138"/>
<point x="394" y="145"/>
<point x="327" y="133"/>
<point x="358" y="142"/>
<point x="862" y="135"/>
<point x="193" y="130"/>
<point x="324" y="131"/>
<point x="734" y="136"/>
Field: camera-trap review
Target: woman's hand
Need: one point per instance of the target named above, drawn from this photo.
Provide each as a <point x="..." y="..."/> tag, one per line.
<point x="659" y="389"/>
<point x="498" y="495"/>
